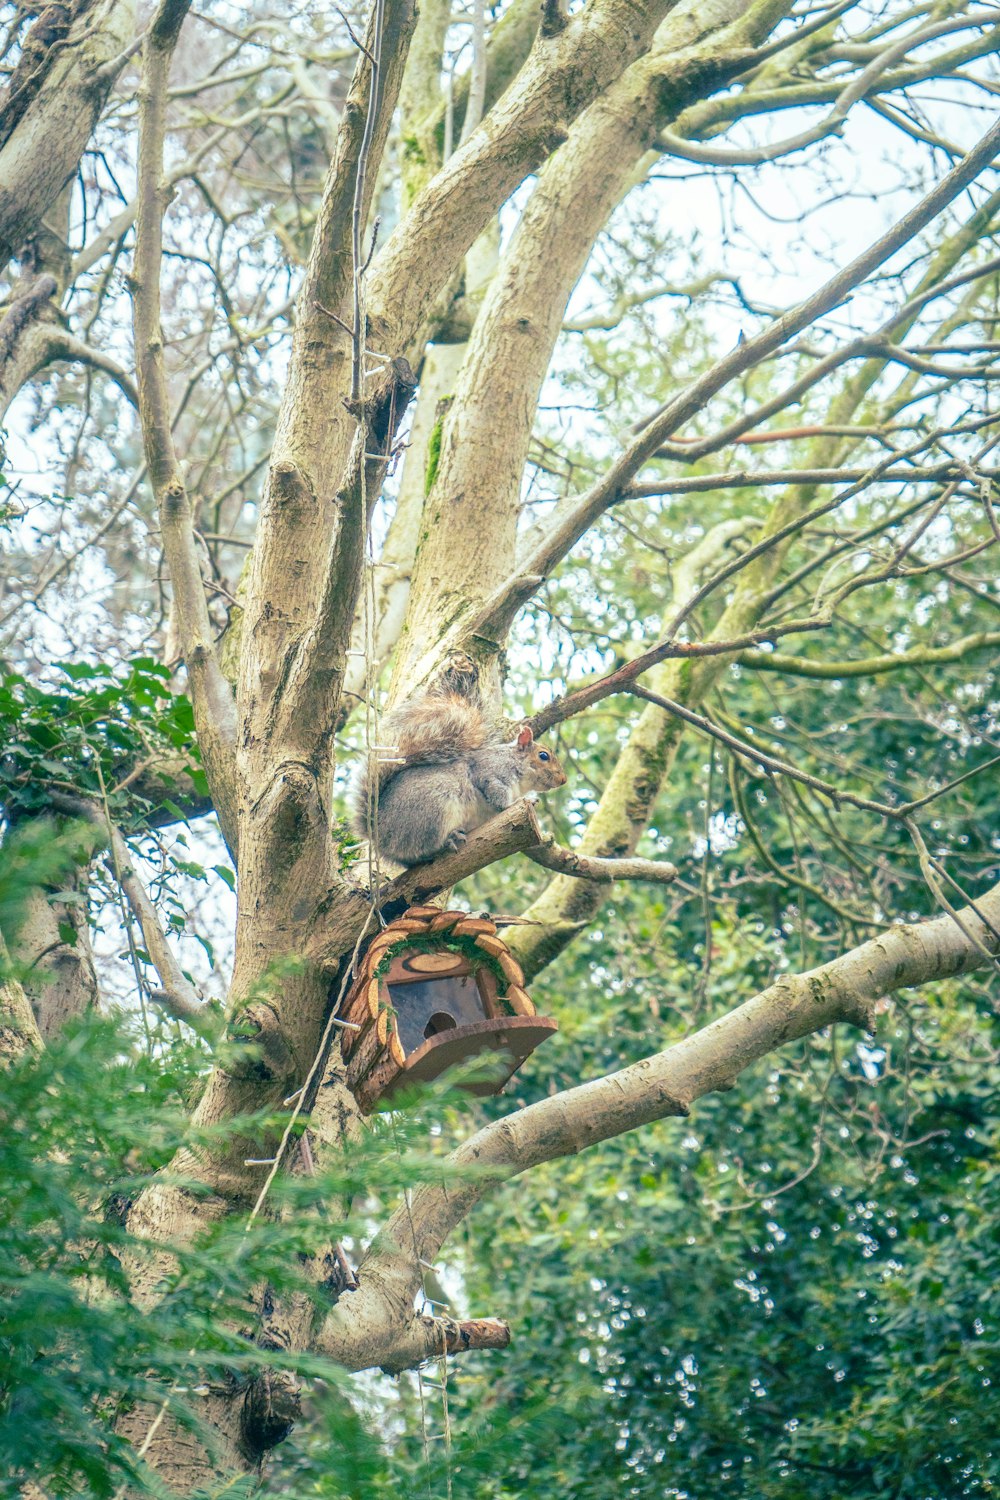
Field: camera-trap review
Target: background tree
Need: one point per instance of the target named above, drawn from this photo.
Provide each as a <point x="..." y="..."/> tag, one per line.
<point x="398" y="337"/>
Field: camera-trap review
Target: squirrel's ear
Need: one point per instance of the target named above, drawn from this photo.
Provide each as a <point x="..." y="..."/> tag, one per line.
<point x="524" y="737"/>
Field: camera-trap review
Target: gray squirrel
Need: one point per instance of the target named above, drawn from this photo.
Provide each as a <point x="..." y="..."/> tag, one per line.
<point x="457" y="771"/>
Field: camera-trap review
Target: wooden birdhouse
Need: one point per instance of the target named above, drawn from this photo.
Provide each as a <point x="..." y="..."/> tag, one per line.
<point x="433" y="989"/>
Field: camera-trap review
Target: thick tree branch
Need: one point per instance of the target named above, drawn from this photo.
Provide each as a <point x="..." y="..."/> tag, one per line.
<point x="560" y="77"/>
<point x="52" y="102"/>
<point x="427" y="1338"/>
<point x="306" y="568"/>
<point x="869" y="666"/>
<point x="215" y="714"/>
<point x="562" y="74"/>
<point x="18" y="1028"/>
<point x="509" y="44"/>
<point x="697" y="48"/>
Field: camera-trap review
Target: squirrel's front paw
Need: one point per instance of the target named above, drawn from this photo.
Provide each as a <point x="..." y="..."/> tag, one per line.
<point x="455" y="840"/>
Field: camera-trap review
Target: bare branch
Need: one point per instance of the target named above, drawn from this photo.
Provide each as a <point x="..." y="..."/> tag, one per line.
<point x="589" y="867"/>
<point x="496" y="615"/>
<point x="770" y="763"/>
<point x="306" y="567"/>
<point x="178" y="995"/>
<point x="865" y="83"/>
<point x="215" y="713"/>
<point x="748" y="479"/>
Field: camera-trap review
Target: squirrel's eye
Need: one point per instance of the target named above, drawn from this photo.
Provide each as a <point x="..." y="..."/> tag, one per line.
<point x="543" y="755"/>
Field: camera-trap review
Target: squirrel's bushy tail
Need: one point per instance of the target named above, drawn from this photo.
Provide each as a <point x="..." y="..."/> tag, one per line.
<point x="442" y="724"/>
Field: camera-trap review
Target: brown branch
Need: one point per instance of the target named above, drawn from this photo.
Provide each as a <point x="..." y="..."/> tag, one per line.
<point x="770" y="763"/>
<point x="511" y="832"/>
<point x="865" y="83"/>
<point x="590" y="867"/>
<point x="64" y="346"/>
<point x="744" y="479"/>
<point x="214" y="709"/>
<point x="508" y="833"/>
<point x="622" y="679"/>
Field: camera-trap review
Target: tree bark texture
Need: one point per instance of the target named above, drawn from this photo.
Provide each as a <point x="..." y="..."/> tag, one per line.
<point x="51" y="104"/>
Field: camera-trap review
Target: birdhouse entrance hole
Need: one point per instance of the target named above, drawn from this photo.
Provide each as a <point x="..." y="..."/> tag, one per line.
<point x="429" y="1006"/>
<point x="435" y="989"/>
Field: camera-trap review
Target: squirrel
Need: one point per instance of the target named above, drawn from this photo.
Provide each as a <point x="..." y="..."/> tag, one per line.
<point x="457" y="774"/>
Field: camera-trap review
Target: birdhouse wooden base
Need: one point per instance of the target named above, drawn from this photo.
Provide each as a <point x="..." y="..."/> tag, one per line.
<point x="435" y="989"/>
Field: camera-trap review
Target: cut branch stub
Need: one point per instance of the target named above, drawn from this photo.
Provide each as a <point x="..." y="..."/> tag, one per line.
<point x="435" y="989"/>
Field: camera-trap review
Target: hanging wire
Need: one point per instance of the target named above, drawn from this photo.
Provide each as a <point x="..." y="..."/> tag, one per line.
<point x="371" y="680"/>
<point x="425" y="1437"/>
<point x="447" y="1413"/>
<point x="427" y="1307"/>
